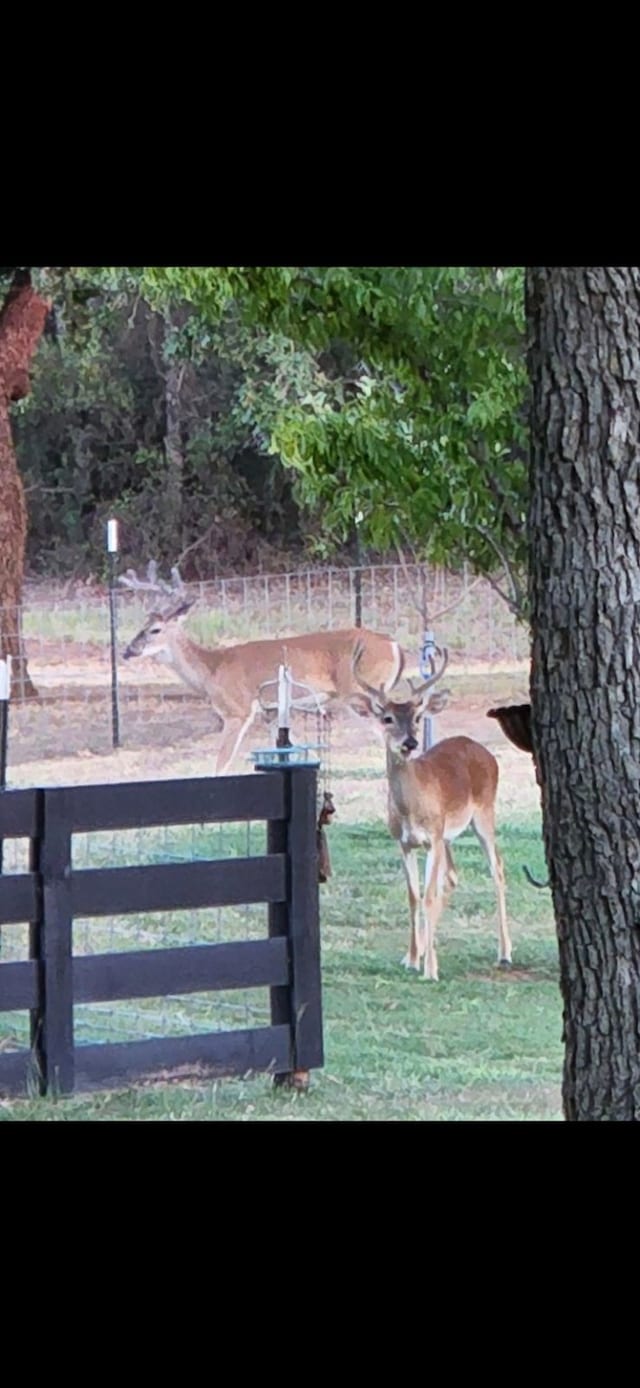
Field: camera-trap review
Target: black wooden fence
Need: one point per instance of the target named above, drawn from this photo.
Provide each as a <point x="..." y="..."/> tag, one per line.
<point x="51" y="893"/>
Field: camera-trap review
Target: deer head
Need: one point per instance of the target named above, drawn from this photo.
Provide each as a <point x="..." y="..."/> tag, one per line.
<point x="155" y="637"/>
<point x="400" y="720"/>
<point x="161" y="627"/>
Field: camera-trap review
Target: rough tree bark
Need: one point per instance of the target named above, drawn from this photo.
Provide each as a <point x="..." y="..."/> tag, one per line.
<point x="22" y="320"/>
<point x="584" y="359"/>
<point x="174" y="374"/>
<point x="171" y="373"/>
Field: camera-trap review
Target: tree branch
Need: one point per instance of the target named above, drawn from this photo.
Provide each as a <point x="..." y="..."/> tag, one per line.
<point x="196" y="543"/>
<point x="422" y="608"/>
<point x="456" y="601"/>
<point x="512" y="520"/>
<point x="516" y="602"/>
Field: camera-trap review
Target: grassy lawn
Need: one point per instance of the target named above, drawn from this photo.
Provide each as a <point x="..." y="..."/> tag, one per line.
<point x="480" y="1044"/>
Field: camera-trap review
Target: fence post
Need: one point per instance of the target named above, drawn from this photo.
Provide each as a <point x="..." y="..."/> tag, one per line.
<point x="304" y="920"/>
<point x="56" y="951"/>
<point x="5" y="694"/>
<point x="36" y="949"/>
<point x="299" y="1004"/>
<point x="112" y="550"/>
<point x="357" y="577"/>
<point x="357" y="585"/>
<point x="427" y="651"/>
<point x="284" y="706"/>
<point x="278" y="917"/>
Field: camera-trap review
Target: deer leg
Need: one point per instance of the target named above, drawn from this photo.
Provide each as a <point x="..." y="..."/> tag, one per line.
<point x="410" y="864"/>
<point x="217" y="721"/>
<point x="483" y="823"/>
<point x="234" y="732"/>
<point x="434" y="900"/>
<point x="452" y="876"/>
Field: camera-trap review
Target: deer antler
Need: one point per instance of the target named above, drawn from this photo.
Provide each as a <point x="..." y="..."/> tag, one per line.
<point x="153" y="583"/>
<point x="379" y="694"/>
<point x="356" y="658"/>
<point x="421" y="686"/>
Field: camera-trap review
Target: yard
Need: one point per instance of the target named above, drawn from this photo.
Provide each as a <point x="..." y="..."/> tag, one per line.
<point x="480" y="1044"/>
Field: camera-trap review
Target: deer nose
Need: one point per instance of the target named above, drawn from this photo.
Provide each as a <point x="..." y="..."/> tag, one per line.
<point x="410" y="744"/>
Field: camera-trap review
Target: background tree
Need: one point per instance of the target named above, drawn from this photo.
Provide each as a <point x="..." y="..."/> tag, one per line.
<point x="307" y="395"/>
<point x="414" y="400"/>
<point x="273" y="406"/>
<point x="22" y="320"/>
<point x="584" y="536"/>
<point x="435" y="389"/>
<point x="129" y="407"/>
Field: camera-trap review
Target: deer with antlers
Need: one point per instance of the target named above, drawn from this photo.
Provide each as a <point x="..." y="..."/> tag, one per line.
<point x="432" y="798"/>
<point x="230" y="676"/>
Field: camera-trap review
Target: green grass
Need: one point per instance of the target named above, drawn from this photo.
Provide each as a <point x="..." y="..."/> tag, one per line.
<point x="480" y="1044"/>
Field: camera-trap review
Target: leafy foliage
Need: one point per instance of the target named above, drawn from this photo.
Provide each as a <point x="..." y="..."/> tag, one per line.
<point x="394" y="396"/>
<point x="396" y="393"/>
<point x="92" y="441"/>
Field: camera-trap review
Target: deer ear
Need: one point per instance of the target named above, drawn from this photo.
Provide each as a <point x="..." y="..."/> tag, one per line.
<point x="179" y="613"/>
<point x="437" y="701"/>
<point x="362" y="704"/>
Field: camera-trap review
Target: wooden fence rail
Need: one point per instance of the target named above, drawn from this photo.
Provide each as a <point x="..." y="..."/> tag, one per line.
<point x="48" y="897"/>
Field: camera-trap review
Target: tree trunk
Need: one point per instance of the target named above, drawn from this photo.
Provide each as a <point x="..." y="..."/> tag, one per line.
<point x="584" y="360"/>
<point x="171" y="373"/>
<point x="174" y="373"/>
<point x="21" y="323"/>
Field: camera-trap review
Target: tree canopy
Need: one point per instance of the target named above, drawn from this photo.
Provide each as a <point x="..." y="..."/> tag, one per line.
<point x="397" y="394"/>
<point x="301" y="400"/>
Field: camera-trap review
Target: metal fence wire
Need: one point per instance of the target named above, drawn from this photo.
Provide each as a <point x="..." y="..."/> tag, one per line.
<point x="151" y="1017"/>
<point x="54" y="738"/>
<point x="67" y="639"/>
<point x="197" y="918"/>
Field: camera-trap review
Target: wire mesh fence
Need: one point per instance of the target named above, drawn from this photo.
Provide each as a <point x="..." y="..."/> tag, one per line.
<point x="66" y="635"/>
<point x="147" y="1018"/>
<point x="392" y="596"/>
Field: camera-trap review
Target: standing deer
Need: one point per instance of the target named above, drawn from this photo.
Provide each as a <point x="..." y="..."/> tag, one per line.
<point x="230" y="676"/>
<point x="432" y="798"/>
